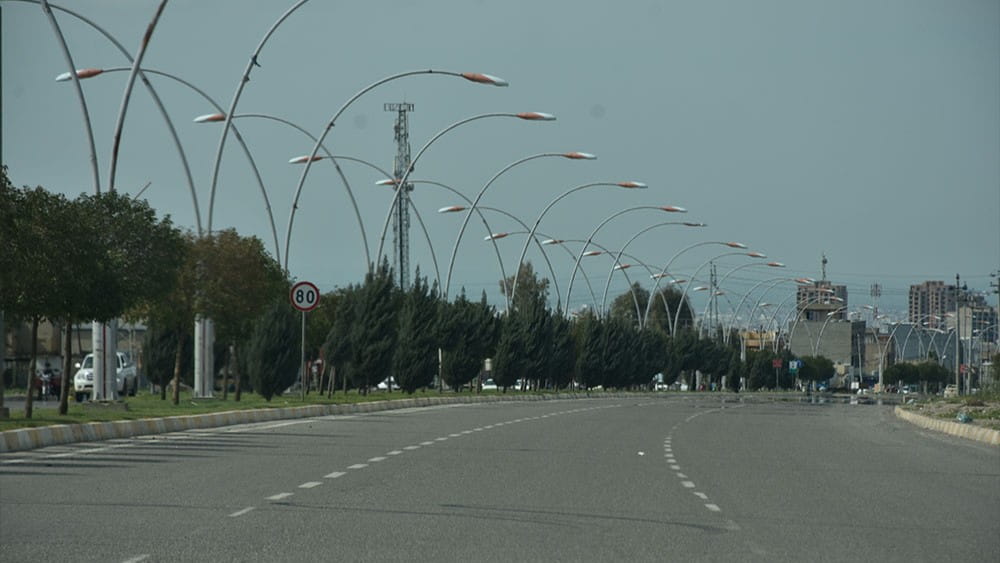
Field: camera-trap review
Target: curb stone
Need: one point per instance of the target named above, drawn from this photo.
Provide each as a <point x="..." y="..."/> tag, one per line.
<point x="967" y="431"/>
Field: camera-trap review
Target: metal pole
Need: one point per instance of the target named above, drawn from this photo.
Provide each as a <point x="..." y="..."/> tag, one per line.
<point x="302" y="358"/>
<point x="958" y="338"/>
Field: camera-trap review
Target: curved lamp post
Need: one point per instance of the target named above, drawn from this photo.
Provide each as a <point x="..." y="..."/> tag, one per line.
<point x="526" y="116"/>
<point x="479" y="196"/>
<point x="625" y="246"/>
<point x="473" y="77"/>
<point x="666" y="268"/>
<point x="531" y="234"/>
<point x="583" y="250"/>
<point x="725" y="277"/>
<point x="677" y="314"/>
<point x="773" y="282"/>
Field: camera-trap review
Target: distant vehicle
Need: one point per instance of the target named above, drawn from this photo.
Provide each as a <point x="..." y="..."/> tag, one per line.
<point x="126" y="379"/>
<point x="387" y="384"/>
<point x="489" y="385"/>
<point x="951" y="391"/>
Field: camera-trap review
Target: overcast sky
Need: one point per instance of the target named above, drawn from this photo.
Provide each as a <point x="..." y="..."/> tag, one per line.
<point x="867" y="130"/>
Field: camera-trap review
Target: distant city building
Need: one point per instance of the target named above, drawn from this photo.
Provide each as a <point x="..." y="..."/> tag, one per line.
<point x="840" y="341"/>
<point x="930" y="302"/>
<point x="821" y="300"/>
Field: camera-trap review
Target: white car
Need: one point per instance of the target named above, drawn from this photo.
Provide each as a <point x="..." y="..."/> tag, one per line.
<point x="126" y="379"/>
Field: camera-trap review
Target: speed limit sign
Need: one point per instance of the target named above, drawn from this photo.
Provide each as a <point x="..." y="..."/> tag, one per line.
<point x="304" y="296"/>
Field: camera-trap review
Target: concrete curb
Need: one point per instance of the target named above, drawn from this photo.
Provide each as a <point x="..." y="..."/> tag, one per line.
<point x="967" y="431"/>
<point x="44" y="436"/>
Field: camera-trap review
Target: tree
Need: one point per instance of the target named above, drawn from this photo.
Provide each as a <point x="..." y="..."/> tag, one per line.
<point x="901" y="373"/>
<point x="272" y="352"/>
<point x="624" y="306"/>
<point x="373" y="335"/>
<point x="816" y="368"/>
<point x="414" y="360"/>
<point x="588" y="336"/>
<point x="562" y="357"/>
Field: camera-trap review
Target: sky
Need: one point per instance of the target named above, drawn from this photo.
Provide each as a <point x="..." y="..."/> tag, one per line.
<point x="864" y="131"/>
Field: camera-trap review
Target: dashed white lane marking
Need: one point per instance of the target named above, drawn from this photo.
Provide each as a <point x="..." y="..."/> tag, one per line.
<point x="137" y="558"/>
<point x="411" y="448"/>
<point x="377" y="459"/>
<point x="279" y="496"/>
<point x="13" y="461"/>
<point x="441" y="439"/>
<point x="682" y="476"/>
<point x="455" y="435"/>
<point x="713" y="508"/>
<point x="702" y="496"/>
<point x="334" y="475"/>
<point x="427" y="443"/>
<point x="358" y="466"/>
<point x="688" y="484"/>
<point x="394" y="452"/>
<point x="239" y="513"/>
<point x="675" y="467"/>
<point x="310" y="485"/>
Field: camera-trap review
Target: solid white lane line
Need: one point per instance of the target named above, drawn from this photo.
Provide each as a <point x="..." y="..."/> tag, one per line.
<point x="334" y="475"/>
<point x="377" y="459"/>
<point x="713" y="508"/>
<point x="310" y="485"/>
<point x="239" y="513"/>
<point x="688" y="484"/>
<point x="279" y="496"/>
<point x="358" y="466"/>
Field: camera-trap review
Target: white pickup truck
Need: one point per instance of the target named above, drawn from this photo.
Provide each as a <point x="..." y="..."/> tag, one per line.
<point x="126" y="379"/>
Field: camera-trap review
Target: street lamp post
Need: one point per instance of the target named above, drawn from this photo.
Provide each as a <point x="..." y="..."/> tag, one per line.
<point x="677" y="314"/>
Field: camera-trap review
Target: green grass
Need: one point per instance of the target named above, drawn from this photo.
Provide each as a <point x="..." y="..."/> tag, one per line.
<point x="145" y="405"/>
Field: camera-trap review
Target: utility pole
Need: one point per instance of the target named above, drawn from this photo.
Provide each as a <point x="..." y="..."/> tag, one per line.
<point x="401" y="215"/>
<point x="958" y="336"/>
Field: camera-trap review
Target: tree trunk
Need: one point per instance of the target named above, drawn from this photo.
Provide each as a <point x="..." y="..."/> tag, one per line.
<point x="225" y="377"/>
<point x="332" y="383"/>
<point x="66" y="370"/>
<point x="239" y="380"/>
<point x="177" y="368"/>
<point x="31" y="368"/>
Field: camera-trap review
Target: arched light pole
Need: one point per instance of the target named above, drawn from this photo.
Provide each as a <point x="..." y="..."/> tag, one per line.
<point x="531" y="234"/>
<point x="677" y="314"/>
<point x="798" y="316"/>
<point x="482" y="191"/>
<point x="773" y="282"/>
<point x="474" y="77"/>
<point x="605" y="221"/>
<point x="652" y="276"/>
<point x="666" y="268"/>
<point x="726" y="276"/>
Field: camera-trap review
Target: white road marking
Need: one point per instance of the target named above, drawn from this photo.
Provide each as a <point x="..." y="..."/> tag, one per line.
<point x="310" y="485"/>
<point x="675" y="467"/>
<point x="14" y="461"/>
<point x="441" y="439"/>
<point x="427" y="443"/>
<point x="688" y="484"/>
<point x="334" y="475"/>
<point x="138" y="558"/>
<point x="394" y="452"/>
<point x="411" y="448"/>
<point x="713" y="508"/>
<point x="455" y="435"/>
<point x="358" y="466"/>
<point x="377" y="459"/>
<point x="682" y="476"/>
<point x="702" y="496"/>
<point x="279" y="496"/>
<point x="239" y="513"/>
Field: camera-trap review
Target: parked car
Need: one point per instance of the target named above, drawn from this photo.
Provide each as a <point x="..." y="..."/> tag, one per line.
<point x="489" y="385"/>
<point x="126" y="379"/>
<point x="951" y="391"/>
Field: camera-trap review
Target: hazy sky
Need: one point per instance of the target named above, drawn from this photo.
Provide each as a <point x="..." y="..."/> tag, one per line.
<point x="867" y="130"/>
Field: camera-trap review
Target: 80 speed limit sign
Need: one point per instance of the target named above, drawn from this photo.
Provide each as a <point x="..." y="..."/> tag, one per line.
<point x="304" y="296"/>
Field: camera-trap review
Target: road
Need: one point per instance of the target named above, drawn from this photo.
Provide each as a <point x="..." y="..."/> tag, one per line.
<point x="681" y="478"/>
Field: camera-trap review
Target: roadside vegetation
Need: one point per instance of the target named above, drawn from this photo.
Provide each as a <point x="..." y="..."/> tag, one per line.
<point x="108" y="256"/>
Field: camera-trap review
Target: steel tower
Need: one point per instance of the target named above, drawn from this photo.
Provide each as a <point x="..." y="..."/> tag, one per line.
<point x="401" y="215"/>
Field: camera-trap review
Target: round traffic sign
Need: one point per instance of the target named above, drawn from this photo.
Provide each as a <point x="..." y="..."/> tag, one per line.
<point x="304" y="296"/>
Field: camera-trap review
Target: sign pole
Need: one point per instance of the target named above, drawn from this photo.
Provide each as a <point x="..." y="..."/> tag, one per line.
<point x="305" y="298"/>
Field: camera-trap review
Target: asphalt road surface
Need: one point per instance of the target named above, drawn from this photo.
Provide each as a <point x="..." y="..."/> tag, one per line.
<point x="679" y="478"/>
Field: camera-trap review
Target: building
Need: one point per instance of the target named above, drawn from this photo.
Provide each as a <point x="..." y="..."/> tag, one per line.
<point x="930" y="302"/>
<point x="840" y="341"/>
<point x="821" y="300"/>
